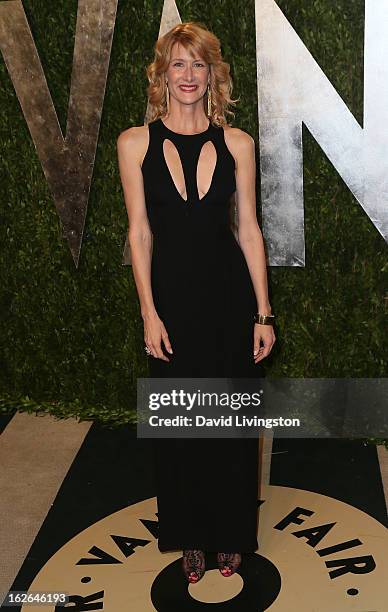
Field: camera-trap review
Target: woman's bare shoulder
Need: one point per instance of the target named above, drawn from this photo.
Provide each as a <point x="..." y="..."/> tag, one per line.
<point x="134" y="141"/>
<point x="236" y="136"/>
<point x="239" y="143"/>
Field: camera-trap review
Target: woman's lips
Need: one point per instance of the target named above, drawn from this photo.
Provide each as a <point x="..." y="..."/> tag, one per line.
<point x="188" y="88"/>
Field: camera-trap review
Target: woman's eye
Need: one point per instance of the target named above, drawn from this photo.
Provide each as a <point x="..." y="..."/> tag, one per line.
<point x="180" y="64"/>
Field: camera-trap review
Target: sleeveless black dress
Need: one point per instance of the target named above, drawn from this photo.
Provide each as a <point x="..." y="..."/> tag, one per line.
<point x="206" y="488"/>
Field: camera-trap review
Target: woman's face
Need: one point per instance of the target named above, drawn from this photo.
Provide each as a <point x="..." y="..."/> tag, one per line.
<point x="186" y="69"/>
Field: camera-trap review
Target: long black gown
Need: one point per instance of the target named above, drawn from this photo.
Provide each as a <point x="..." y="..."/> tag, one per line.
<point x="207" y="489"/>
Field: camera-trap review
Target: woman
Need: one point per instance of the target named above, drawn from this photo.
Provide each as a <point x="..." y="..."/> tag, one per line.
<point x="202" y="285"/>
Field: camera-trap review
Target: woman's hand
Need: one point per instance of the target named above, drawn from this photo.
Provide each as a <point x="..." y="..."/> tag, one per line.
<point x="154" y="333"/>
<point x="267" y="335"/>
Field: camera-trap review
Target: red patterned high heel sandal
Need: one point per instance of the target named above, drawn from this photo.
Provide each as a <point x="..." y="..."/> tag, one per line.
<point x="228" y="563"/>
<point x="193" y="563"/>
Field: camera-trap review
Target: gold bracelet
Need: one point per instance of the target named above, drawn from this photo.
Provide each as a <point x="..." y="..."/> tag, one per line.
<point x="264" y="319"/>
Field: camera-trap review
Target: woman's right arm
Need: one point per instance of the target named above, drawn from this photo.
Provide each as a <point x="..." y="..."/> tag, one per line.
<point x="131" y="146"/>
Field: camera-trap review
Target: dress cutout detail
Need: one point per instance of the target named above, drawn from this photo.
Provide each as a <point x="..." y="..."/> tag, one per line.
<point x="206" y="488"/>
<point x="200" y="162"/>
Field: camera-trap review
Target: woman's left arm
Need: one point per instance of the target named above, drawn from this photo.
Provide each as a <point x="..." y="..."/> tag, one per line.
<point x="250" y="238"/>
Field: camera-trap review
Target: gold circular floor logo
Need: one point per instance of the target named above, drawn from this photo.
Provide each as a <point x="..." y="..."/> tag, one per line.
<point x="316" y="554"/>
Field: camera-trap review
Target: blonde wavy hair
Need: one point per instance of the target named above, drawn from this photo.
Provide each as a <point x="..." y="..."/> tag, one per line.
<point x="194" y="36"/>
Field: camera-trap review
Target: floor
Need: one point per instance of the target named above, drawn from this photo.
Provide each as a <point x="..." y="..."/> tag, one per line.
<point x="79" y="516"/>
